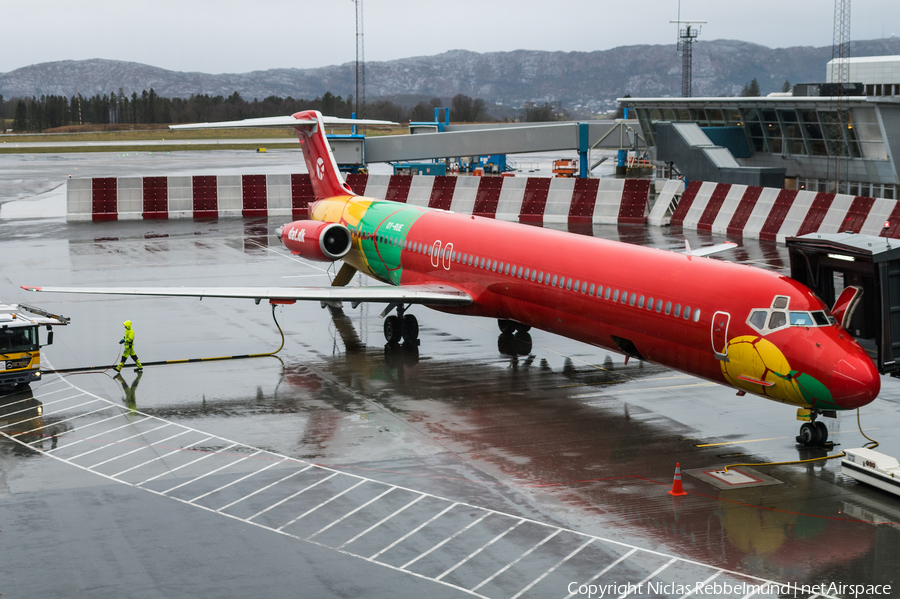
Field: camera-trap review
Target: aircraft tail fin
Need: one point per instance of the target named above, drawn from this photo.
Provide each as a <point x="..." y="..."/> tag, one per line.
<point x="326" y="178"/>
<point x="324" y="173"/>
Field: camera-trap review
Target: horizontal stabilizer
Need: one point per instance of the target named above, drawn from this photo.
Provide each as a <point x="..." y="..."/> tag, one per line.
<point x="435" y="295"/>
<point x="281" y="121"/>
<point x="712" y="249"/>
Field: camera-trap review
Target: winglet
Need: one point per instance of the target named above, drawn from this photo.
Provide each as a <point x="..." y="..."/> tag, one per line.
<point x="27" y="288"/>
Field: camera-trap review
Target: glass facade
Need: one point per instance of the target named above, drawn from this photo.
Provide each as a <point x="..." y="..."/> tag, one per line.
<point x="800" y="131"/>
<point x="856" y="188"/>
<point x="789" y="131"/>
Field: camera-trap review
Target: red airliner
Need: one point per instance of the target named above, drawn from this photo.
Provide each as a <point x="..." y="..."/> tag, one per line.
<point x="748" y="328"/>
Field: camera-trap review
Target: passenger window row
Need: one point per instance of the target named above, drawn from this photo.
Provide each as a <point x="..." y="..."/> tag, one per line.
<point x="569" y="284"/>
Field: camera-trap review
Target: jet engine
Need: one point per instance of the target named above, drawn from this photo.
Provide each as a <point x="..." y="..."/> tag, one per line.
<point x="315" y="240"/>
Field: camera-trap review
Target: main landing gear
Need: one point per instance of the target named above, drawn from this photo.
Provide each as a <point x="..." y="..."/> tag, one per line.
<point x="814" y="433"/>
<point x="508" y="327"/>
<point x="514" y="339"/>
<point x="402" y="326"/>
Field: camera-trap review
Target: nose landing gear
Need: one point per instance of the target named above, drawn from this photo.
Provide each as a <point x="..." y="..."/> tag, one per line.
<point x="402" y="326"/>
<point x="814" y="433"/>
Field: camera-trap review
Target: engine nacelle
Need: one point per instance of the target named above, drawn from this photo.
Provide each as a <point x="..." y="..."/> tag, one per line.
<point x="315" y="240"/>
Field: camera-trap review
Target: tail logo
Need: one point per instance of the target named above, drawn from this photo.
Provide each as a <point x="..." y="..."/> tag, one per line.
<point x="320" y="168"/>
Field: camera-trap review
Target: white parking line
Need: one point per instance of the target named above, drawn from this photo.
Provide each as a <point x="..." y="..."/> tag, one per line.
<point x="601" y="572"/>
<point x="327" y="501"/>
<point x="142" y="447"/>
<point x="515" y="561"/>
<point x="110" y="443"/>
<point x="288" y="498"/>
<point x="480" y="549"/>
<point x="234" y="482"/>
<point x="416" y="529"/>
<point x="151" y="446"/>
<point x="701" y="585"/>
<point x="44" y="413"/>
<point x="49" y="393"/>
<point x="383" y="520"/>
<point x="44" y="404"/>
<point x="78" y="416"/>
<point x="200" y="459"/>
<point x="164" y="456"/>
<point x="229" y="465"/>
<point x="445" y="541"/>
<point x="66" y="434"/>
<point x="630" y="588"/>
<point x="225" y="507"/>
<point x="348" y="514"/>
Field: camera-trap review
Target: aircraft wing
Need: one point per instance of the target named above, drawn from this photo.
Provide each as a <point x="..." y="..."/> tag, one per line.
<point x="435" y="295"/>
<point x="279" y="121"/>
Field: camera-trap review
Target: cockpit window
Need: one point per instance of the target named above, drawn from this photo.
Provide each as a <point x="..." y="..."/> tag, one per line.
<point x="801" y="319"/>
<point x="777" y="320"/>
<point x="758" y="319"/>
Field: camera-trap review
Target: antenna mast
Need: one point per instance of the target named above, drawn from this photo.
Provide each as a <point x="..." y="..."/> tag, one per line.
<point x="840" y="75"/>
<point x="360" y="62"/>
<point x="686" y="37"/>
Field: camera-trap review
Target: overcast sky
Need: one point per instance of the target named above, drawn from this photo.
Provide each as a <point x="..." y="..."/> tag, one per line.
<point x="231" y="36"/>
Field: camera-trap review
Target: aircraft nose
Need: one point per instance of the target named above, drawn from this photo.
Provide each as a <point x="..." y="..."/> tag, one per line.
<point x="855" y="382"/>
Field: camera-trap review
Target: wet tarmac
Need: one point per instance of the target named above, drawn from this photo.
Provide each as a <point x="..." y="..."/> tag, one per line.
<point x="476" y="464"/>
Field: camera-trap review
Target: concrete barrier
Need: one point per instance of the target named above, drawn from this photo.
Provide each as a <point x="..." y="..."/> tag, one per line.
<point x="773" y="214"/>
<point x="576" y="202"/>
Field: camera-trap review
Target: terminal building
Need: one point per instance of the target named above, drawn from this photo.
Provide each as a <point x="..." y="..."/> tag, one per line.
<point x="797" y="132"/>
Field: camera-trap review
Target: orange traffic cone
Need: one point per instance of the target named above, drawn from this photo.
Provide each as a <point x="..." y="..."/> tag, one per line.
<point x="677" y="489"/>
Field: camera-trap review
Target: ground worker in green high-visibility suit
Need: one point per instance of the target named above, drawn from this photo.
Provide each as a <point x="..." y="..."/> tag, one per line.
<point x="128" y="341"/>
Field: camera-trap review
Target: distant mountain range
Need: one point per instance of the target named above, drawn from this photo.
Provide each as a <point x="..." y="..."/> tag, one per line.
<point x="588" y="80"/>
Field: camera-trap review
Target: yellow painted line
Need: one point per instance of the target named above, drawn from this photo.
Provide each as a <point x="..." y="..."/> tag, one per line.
<point x="640" y="390"/>
<point x="830" y="434"/>
<point x="740" y="442"/>
<point x="645" y="389"/>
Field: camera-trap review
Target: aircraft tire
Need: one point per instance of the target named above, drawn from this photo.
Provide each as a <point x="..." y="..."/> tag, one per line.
<point x="822" y="430"/>
<point x="808" y="434"/>
<point x="410" y="329"/>
<point x="392" y="330"/>
<point x="507" y="327"/>
<point x="522" y="328"/>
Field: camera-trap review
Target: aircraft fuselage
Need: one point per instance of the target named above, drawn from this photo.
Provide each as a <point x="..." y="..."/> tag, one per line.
<point x="742" y="326"/>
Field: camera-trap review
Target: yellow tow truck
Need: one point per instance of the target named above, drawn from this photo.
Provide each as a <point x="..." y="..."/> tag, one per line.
<point x="20" y="347"/>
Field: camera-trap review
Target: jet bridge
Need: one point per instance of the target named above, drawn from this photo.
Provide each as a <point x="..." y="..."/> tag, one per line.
<point x="509" y="138"/>
<point x="830" y="263"/>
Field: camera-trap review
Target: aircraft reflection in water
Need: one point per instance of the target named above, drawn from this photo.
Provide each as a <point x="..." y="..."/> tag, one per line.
<point x="498" y="418"/>
<point x="21" y="417"/>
